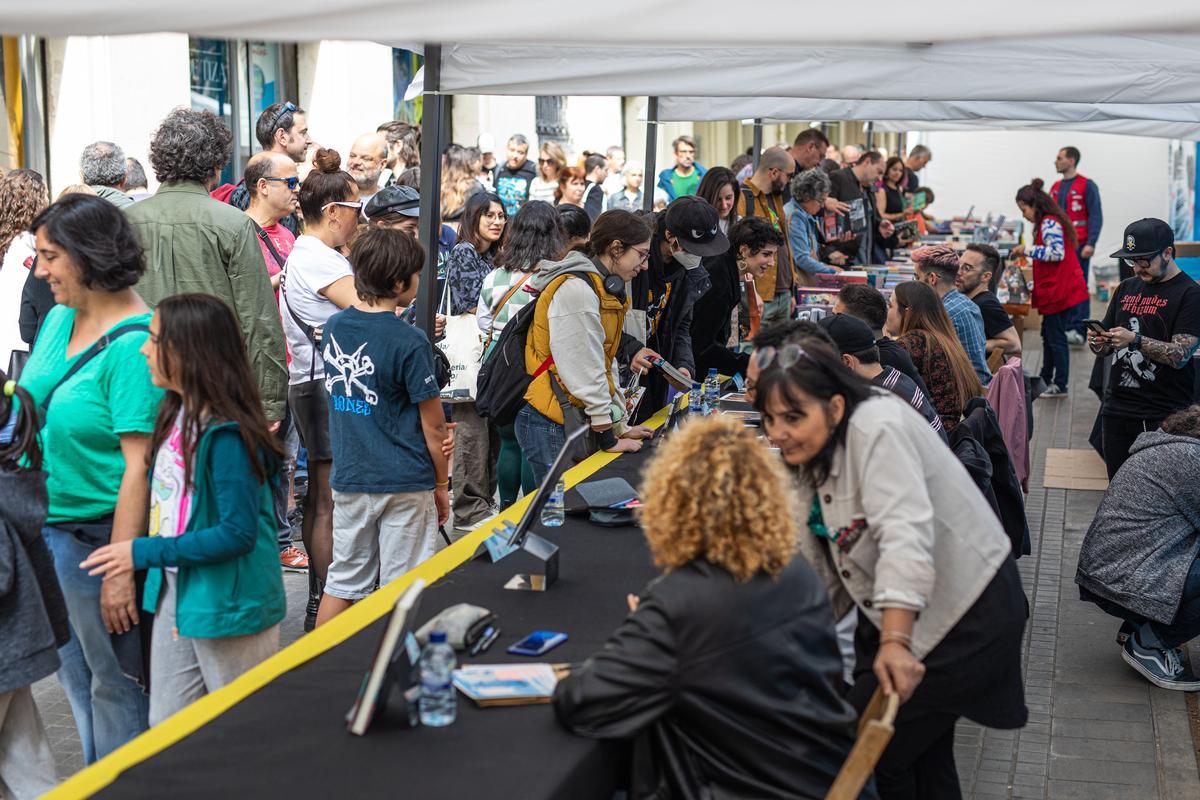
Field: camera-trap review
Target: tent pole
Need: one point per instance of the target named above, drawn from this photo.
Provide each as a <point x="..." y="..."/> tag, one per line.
<point x="649" y="178"/>
<point x="757" y="148"/>
<point x="431" y="182"/>
<point x="870" y="136"/>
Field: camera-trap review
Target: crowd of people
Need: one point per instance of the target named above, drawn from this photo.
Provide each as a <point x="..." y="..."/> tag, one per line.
<point x="203" y="343"/>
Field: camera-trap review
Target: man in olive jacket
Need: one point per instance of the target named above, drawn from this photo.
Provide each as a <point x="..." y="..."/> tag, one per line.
<point x="194" y="243"/>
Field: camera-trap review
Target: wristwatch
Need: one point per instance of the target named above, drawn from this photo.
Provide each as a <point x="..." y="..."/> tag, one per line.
<point x="1137" y="341"/>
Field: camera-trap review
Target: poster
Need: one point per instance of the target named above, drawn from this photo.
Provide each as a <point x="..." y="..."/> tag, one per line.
<point x="405" y="64"/>
<point x="1182" y="189"/>
<point x="264" y="77"/>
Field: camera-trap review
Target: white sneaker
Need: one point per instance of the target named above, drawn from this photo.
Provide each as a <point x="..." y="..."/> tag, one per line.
<point x="1075" y="339"/>
<point x="1053" y="391"/>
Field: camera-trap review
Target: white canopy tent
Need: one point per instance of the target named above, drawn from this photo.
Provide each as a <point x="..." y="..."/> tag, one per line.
<point x="701" y="24"/>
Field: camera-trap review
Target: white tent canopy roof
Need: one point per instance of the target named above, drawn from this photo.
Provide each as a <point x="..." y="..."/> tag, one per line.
<point x="1187" y="131"/>
<point x="698" y="24"/>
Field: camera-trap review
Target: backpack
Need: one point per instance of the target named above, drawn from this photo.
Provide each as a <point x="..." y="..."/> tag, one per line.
<point x="503" y="380"/>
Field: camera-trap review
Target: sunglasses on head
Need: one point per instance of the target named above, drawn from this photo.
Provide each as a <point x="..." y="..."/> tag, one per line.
<point x="355" y="204"/>
<point x="288" y="108"/>
<point x="782" y="357"/>
<point x="292" y="182"/>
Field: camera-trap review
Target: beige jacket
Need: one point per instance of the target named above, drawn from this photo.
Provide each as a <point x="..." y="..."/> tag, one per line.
<point x="931" y="542"/>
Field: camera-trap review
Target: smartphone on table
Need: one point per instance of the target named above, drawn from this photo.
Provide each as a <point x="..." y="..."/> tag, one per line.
<point x="537" y="643"/>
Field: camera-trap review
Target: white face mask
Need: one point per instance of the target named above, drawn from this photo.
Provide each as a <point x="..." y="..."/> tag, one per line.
<point x="688" y="260"/>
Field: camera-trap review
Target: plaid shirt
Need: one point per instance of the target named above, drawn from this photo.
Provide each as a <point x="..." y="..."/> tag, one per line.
<point x="968" y="324"/>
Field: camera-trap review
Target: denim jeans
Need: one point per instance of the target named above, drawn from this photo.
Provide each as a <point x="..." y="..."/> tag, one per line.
<point x="541" y="438"/>
<point x="1185" y="626"/>
<point x="1056" y="356"/>
<point x="109" y="707"/>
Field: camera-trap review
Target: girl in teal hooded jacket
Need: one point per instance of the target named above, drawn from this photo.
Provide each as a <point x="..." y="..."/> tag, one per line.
<point x="214" y="583"/>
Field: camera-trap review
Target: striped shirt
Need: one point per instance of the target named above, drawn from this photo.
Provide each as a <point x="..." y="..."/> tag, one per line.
<point x="903" y="386"/>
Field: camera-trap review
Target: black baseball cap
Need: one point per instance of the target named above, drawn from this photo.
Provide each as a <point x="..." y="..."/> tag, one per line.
<point x="850" y="334"/>
<point x="396" y="200"/>
<point x="695" y="224"/>
<point x="1145" y="238"/>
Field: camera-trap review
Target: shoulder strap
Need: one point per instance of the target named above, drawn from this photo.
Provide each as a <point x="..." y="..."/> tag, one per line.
<point x="516" y="287"/>
<point x="87" y="355"/>
<point x="270" y="245"/>
<point x="749" y="197"/>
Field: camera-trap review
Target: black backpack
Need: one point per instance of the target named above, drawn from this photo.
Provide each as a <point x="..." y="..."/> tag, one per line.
<point x="503" y="381"/>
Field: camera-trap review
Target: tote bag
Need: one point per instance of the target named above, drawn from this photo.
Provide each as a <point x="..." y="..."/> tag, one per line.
<point x="463" y="346"/>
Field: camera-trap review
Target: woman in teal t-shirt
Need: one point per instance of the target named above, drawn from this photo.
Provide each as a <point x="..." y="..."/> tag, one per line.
<point x="535" y="234"/>
<point x="98" y="407"/>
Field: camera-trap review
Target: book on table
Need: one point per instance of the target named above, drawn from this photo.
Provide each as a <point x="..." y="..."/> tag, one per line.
<point x="506" y="684"/>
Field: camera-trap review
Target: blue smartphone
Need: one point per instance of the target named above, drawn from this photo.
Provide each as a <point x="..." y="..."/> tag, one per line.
<point x="537" y="643"/>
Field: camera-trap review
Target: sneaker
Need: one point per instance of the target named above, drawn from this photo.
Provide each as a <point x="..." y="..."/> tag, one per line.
<point x="1125" y="631"/>
<point x="1075" y="339"/>
<point x="1160" y="666"/>
<point x="293" y="559"/>
<point x="1054" y="390"/>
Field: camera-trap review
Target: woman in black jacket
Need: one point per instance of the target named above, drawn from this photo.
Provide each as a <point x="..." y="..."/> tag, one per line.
<point x="726" y="673"/>
<point x="753" y="244"/>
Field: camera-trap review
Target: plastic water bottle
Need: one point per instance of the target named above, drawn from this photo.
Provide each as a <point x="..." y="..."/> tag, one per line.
<point x="553" y="512"/>
<point x="438" y="704"/>
<point x="696" y="401"/>
<point x="712" y="391"/>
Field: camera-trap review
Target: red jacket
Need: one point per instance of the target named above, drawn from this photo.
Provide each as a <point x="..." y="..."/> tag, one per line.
<point x="1057" y="285"/>
<point x="1076" y="207"/>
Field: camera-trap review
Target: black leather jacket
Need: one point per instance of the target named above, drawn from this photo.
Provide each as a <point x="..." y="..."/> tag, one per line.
<point x="728" y="690"/>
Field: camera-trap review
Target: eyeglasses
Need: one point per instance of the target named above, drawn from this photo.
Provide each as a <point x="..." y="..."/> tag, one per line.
<point x="292" y="183"/>
<point x="1143" y="263"/>
<point x="782" y="357"/>
<point x="643" y="255"/>
<point x="288" y="108"/>
<point x="355" y="204"/>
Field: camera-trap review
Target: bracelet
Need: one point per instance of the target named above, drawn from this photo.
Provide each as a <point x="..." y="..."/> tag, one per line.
<point x="896" y="636"/>
<point x="1137" y="341"/>
<point x="442" y="484"/>
<point x="606" y="439"/>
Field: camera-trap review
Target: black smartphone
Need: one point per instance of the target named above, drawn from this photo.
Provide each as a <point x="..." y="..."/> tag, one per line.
<point x="1095" y="326"/>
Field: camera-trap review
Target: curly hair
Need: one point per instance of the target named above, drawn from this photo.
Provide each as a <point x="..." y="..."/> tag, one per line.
<point x="714" y="492"/>
<point x="190" y="146"/>
<point x="102" y="164"/>
<point x="23" y="195"/>
<point x="99" y="239"/>
<point x="1185" y="422"/>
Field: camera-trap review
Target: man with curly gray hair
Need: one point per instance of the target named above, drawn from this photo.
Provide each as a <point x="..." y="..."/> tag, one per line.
<point x="102" y="167"/>
<point x="194" y="243"/>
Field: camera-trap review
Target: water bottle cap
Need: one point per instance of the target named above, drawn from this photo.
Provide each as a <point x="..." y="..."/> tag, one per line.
<point x="696" y="385"/>
<point x="712" y="372"/>
<point x="437" y="637"/>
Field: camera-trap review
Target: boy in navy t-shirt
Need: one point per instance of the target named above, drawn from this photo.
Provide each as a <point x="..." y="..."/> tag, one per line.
<point x="386" y="425"/>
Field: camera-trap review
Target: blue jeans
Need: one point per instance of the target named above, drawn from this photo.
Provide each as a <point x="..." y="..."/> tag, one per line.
<point x="541" y="438"/>
<point x="1056" y="356"/>
<point x="1084" y="309"/>
<point x="109" y="707"/>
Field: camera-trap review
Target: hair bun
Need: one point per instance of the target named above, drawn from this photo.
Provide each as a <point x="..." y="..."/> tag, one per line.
<point x="1037" y="183"/>
<point x="327" y="160"/>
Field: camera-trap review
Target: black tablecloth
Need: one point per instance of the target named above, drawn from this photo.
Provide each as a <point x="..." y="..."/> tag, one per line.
<point x="289" y="738"/>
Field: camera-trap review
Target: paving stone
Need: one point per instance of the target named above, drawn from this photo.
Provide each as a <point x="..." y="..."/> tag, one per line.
<point x="1105" y="749"/>
<point x="1091" y="769"/>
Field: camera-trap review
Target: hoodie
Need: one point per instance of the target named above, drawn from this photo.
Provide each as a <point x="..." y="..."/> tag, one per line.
<point x="33" y="614"/>
<point x="1146" y="533"/>
<point x="577" y="337"/>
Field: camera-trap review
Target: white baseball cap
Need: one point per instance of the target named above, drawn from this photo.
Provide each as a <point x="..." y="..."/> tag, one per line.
<point x="486" y="143"/>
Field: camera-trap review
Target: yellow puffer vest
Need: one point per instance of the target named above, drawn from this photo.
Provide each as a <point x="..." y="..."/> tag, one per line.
<point x="537" y="344"/>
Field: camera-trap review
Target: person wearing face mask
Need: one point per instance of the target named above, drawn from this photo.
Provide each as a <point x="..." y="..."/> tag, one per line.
<point x="762" y="196"/>
<point x="1152" y="327"/>
<point x="753" y="244"/>
<point x="317" y="283"/>
<point x="660" y="320"/>
<point x="572" y="344"/>
<point x="894" y="525"/>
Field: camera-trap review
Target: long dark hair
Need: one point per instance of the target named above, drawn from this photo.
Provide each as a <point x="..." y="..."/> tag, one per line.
<point x="200" y="347"/>
<point x="533" y="235"/>
<point x="710" y="188"/>
<point x="1044" y="206"/>
<point x="891" y="162"/>
<point x="820" y="374"/>
<point x="923" y="314"/>
<point x="468" y="225"/>
<point x="24" y="451"/>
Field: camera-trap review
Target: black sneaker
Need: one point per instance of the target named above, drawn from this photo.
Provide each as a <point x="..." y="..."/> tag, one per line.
<point x="1160" y="666"/>
<point x="1125" y="632"/>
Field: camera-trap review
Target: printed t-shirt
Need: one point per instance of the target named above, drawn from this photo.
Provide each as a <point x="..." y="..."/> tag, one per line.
<point x="170" y="496"/>
<point x="1138" y="387"/>
<point x="81" y="436"/>
<point x="310" y="268"/>
<point x="379" y="369"/>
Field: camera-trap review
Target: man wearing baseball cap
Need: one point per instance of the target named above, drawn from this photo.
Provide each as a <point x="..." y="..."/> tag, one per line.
<point x="1151" y="331"/>
<point x="856" y="342"/>
<point x="660" y="319"/>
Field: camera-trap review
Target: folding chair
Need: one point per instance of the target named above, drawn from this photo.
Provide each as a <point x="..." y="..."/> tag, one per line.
<point x="875" y="729"/>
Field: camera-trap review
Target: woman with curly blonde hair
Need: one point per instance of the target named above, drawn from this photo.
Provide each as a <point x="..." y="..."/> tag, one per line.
<point x="727" y="671"/>
<point x="22" y="197"/>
